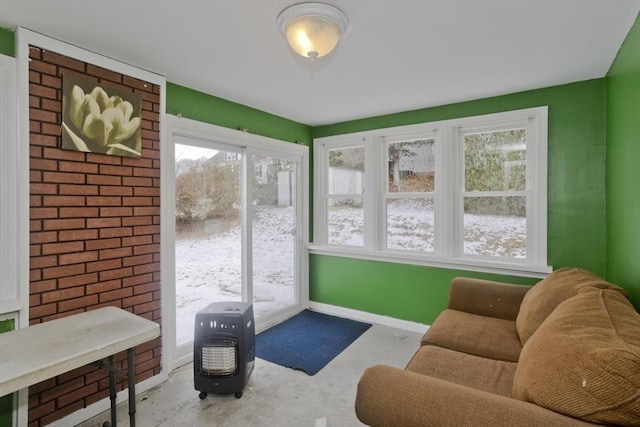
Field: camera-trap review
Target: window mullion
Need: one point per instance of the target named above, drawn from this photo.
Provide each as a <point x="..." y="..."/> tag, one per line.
<point x="320" y="197"/>
<point x="449" y="220"/>
<point x="370" y="173"/>
<point x="383" y="188"/>
<point x="246" y="229"/>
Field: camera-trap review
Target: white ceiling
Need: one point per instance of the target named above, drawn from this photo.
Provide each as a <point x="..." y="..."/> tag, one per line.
<point x="399" y="54"/>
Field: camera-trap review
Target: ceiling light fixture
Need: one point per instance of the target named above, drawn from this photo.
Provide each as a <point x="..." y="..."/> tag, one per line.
<point x="313" y="29"/>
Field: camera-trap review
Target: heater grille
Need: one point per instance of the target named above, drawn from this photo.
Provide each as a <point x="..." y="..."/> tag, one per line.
<point x="224" y="348"/>
<point x="219" y="357"/>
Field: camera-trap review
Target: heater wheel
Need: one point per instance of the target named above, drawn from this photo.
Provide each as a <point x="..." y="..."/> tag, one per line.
<point x="203" y="395"/>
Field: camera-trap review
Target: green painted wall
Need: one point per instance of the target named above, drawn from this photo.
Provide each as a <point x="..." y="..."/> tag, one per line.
<point x="210" y="109"/>
<point x="401" y="291"/>
<point x="7" y="43"/>
<point x="576" y="204"/>
<point x="623" y="168"/>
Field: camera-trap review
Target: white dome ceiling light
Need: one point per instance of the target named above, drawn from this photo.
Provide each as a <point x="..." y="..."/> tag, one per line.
<point x="313" y="29"/>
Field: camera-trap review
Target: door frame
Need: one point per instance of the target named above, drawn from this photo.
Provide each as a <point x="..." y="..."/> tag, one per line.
<point x="250" y="144"/>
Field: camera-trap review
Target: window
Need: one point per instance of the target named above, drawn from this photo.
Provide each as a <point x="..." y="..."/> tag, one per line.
<point x="494" y="194"/>
<point x="409" y="195"/>
<point x="468" y="192"/>
<point x="345" y="198"/>
<point x="231" y="156"/>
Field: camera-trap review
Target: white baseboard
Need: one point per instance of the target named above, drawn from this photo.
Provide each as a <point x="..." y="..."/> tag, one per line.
<point x="91" y="411"/>
<point x="368" y="317"/>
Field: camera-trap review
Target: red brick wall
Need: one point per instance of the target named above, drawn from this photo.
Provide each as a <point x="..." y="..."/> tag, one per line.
<point x="94" y="229"/>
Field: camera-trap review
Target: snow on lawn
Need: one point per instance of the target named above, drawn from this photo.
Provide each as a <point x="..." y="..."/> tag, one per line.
<point x="503" y="236"/>
<point x="208" y="267"/>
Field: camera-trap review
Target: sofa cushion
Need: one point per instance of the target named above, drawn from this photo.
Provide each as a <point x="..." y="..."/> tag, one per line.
<point x="545" y="296"/>
<point x="493" y="376"/>
<point x="478" y="335"/>
<point x="584" y="360"/>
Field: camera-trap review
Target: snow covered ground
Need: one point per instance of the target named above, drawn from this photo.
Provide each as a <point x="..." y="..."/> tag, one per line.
<point x="208" y="267"/>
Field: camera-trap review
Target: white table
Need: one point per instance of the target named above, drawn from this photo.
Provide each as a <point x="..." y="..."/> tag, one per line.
<point x="45" y="350"/>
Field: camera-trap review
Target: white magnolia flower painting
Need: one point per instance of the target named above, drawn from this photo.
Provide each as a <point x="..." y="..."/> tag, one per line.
<point x="99" y="119"/>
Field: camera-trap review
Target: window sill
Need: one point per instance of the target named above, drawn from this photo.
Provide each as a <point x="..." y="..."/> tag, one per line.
<point x="483" y="266"/>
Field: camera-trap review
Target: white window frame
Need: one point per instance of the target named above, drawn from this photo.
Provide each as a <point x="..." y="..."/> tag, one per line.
<point x="11" y="297"/>
<point x="448" y="193"/>
<point x="14" y="298"/>
<point x="411" y="133"/>
<point x="321" y="180"/>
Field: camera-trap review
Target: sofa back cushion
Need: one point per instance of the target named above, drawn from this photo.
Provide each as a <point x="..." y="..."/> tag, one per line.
<point x="584" y="360"/>
<point x="545" y="296"/>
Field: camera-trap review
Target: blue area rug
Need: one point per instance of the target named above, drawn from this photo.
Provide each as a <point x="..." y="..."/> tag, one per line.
<point x="308" y="340"/>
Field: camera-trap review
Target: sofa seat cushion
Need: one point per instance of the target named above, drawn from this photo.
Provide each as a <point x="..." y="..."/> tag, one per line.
<point x="584" y="360"/>
<point x="493" y="376"/>
<point x="478" y="335"/>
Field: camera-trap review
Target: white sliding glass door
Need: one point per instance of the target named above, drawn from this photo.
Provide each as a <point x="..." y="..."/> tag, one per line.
<point x="238" y="229"/>
<point x="274" y="233"/>
<point x="207" y="231"/>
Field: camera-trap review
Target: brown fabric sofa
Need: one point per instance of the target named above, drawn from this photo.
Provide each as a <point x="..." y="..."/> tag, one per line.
<point x="565" y="352"/>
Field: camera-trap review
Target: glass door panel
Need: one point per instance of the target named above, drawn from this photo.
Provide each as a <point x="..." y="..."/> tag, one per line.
<point x="273" y="230"/>
<point x="208" y="232"/>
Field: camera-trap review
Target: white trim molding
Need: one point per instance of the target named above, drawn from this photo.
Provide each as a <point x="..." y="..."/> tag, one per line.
<point x="364" y="316"/>
<point x="10" y="295"/>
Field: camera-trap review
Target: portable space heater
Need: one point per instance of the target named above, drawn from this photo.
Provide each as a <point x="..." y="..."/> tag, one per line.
<point x="224" y="348"/>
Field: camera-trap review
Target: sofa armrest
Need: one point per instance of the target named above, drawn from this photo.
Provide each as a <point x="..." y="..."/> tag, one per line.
<point x="486" y="298"/>
<point x="393" y="397"/>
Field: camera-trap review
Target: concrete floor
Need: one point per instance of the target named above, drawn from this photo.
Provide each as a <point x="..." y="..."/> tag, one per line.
<point x="274" y="396"/>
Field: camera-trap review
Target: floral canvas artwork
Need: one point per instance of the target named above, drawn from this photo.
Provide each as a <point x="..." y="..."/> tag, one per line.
<point x="100" y="119"/>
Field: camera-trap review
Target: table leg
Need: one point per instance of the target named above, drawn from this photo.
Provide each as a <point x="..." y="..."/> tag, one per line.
<point x="112" y="389"/>
<point x="131" y="371"/>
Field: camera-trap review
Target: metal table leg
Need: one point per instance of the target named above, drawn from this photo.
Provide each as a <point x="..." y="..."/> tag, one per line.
<point x="112" y="389"/>
<point x="131" y="372"/>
